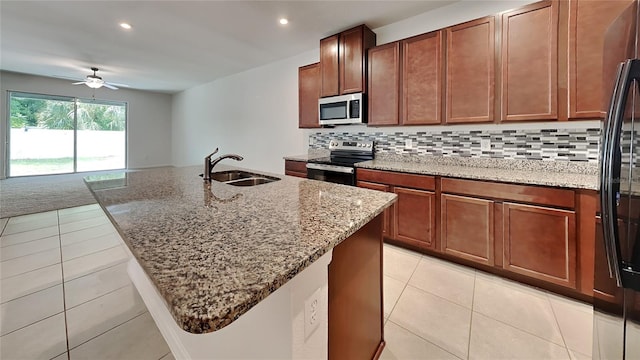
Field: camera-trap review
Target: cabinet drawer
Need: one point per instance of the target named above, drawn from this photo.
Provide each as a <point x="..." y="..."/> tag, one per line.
<point x="529" y="194"/>
<point x="423" y="182"/>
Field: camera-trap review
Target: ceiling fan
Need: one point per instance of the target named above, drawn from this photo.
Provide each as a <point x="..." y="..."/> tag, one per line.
<point x="95" y="82"/>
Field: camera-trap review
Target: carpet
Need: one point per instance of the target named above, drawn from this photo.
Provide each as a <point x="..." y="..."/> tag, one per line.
<point x="33" y="194"/>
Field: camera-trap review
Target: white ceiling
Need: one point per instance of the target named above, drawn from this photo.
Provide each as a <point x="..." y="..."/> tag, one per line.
<point x="175" y="45"/>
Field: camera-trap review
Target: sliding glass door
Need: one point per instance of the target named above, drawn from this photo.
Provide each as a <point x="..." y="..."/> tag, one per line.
<point x="56" y="135"/>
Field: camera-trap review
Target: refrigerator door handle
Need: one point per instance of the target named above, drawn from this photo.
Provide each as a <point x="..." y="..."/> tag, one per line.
<point x="609" y="185"/>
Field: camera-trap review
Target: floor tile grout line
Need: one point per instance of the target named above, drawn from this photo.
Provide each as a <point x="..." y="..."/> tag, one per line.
<point x="91" y="238"/>
<point x="31" y="293"/>
<point x="555" y="317"/>
<point x="97" y="297"/>
<point x="26" y="241"/>
<point x="106" y="331"/>
<point x="473" y="298"/>
<point x="421" y="338"/>
<point x="439" y="297"/>
<point x="96" y="269"/>
<point x="33" y="253"/>
<point x="28" y="271"/>
<point x="91" y="253"/>
<point x="32" y="323"/>
<point x="24" y="231"/>
<point x="64" y="294"/>
<point x="4" y="226"/>
<point x="523" y="330"/>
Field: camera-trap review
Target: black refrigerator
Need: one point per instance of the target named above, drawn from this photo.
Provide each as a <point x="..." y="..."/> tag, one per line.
<point x="616" y="327"/>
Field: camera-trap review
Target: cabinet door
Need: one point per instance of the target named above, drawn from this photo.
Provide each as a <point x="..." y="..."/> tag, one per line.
<point x="308" y="94"/>
<point x="351" y="61"/>
<point x="295" y="168"/>
<point x="467" y="228"/>
<point x="329" y="53"/>
<point x="540" y="242"/>
<point x="384" y="84"/>
<point x="414" y="217"/>
<point x="589" y="21"/>
<point x="422" y="72"/>
<point x="470" y="72"/>
<point x="530" y="62"/>
<point x="388" y="213"/>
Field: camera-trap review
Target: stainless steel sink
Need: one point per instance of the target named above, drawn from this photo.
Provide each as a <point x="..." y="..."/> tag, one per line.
<point x="242" y="178"/>
<point x="251" y="181"/>
<point x="230" y="175"/>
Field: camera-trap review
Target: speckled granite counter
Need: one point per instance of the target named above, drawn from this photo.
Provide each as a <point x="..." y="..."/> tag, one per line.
<point x="312" y="154"/>
<point x="535" y="172"/>
<point x="215" y="252"/>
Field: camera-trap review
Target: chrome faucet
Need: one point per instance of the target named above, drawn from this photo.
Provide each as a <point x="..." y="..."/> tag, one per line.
<point x="209" y="164"/>
<point x="206" y="175"/>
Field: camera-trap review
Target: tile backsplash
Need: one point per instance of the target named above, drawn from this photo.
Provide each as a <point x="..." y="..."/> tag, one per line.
<point x="538" y="144"/>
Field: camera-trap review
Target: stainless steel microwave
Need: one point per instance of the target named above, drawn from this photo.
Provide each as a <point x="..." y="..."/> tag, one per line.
<point x="343" y="109"/>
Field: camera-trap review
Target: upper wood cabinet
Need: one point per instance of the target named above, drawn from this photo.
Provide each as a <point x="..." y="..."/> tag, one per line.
<point x="529" y="86"/>
<point x="470" y="72"/>
<point x="329" y="55"/>
<point x="422" y="78"/>
<point x="384" y="84"/>
<point x="343" y="61"/>
<point x="589" y="21"/>
<point x="308" y="95"/>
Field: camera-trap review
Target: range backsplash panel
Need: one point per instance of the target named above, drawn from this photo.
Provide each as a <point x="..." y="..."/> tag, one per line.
<point x="545" y="144"/>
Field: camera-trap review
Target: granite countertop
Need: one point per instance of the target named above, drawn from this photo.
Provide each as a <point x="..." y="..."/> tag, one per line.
<point x="311" y="154"/>
<point x="213" y="252"/>
<point x="535" y="172"/>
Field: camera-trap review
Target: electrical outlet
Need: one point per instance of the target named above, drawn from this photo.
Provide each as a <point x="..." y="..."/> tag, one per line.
<point x="485" y="144"/>
<point x="312" y="313"/>
<point x="408" y="143"/>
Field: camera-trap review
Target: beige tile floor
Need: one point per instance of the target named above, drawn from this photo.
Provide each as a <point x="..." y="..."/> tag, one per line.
<point x="65" y="294"/>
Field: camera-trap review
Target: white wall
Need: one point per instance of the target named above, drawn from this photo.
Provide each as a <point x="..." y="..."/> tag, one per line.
<point x="148" y="118"/>
<point x="255" y="113"/>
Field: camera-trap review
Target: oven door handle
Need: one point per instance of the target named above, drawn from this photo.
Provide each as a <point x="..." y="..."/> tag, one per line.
<point x="333" y="168"/>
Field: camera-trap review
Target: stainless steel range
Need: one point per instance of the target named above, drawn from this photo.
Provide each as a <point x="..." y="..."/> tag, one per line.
<point x="339" y="166"/>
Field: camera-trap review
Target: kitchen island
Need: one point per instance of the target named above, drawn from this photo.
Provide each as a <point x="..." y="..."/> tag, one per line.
<point x="234" y="268"/>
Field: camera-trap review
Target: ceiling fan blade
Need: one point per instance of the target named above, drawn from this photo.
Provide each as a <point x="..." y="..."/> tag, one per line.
<point x="78" y="83"/>
<point x="107" y="85"/>
<point x="118" y="84"/>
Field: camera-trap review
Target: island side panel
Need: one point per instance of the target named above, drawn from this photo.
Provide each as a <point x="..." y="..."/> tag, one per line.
<point x="355" y="295"/>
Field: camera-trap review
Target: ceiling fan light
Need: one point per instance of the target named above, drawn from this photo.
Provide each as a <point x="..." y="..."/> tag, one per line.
<point x="94" y="83"/>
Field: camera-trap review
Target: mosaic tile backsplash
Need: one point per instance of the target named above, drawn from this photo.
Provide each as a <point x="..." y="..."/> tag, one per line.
<point x="546" y="144"/>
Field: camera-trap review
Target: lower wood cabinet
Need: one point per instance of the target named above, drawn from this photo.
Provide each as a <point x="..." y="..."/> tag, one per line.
<point x="540" y="242"/>
<point x="295" y="168"/>
<point x="467" y="228"/>
<point x="411" y="220"/>
<point x="521" y="231"/>
<point x="388" y="213"/>
<point x="414" y="217"/>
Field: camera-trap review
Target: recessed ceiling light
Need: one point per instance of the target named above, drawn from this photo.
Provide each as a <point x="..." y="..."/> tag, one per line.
<point x="125" y="25"/>
<point x="284" y="21"/>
